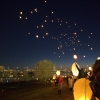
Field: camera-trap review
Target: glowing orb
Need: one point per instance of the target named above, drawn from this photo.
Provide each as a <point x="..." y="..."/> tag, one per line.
<point x="58" y="72"/>
<point x="90" y="68"/>
<point x="75" y="56"/>
<point x="98" y="58"/>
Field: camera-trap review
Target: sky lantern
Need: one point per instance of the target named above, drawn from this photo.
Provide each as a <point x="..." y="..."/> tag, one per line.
<point x="54" y="77"/>
<point x="37" y="26"/>
<point x="82" y="89"/>
<point x="31" y="12"/>
<point x="41" y="25"/>
<point x="98" y="58"/>
<point x="21" y="13"/>
<point x="58" y="73"/>
<point x="20" y="17"/>
<point x="25" y="17"/>
<point x="46" y="33"/>
<point x="35" y="9"/>
<point x="75" y="24"/>
<point x="74" y="69"/>
<point x="52" y="12"/>
<point x="90" y="68"/>
<point x="84" y="56"/>
<point x="45" y="20"/>
<point x="36" y="36"/>
<point x="45" y="1"/>
<point x="91" y="48"/>
<point x="75" y="56"/>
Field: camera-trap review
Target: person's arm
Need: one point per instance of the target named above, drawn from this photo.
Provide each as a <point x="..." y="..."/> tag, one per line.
<point x="77" y="67"/>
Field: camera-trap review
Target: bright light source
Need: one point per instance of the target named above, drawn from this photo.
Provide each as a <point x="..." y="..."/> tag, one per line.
<point x="58" y="73"/>
<point x="75" y="56"/>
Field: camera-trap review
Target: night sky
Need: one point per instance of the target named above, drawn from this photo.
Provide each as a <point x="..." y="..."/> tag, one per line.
<point x="33" y="30"/>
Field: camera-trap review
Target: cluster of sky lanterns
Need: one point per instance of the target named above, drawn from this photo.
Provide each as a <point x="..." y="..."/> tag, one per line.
<point x="72" y="41"/>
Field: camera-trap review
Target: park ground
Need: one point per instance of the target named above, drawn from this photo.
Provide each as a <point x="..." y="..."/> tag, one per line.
<point x="35" y="91"/>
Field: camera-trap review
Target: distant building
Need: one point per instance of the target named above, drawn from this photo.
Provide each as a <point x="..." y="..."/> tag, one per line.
<point x="2" y="67"/>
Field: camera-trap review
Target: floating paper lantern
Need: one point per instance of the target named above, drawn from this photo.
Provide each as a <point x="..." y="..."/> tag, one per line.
<point x="90" y="68"/>
<point x="58" y="73"/>
<point x="82" y="90"/>
<point x="98" y="58"/>
<point x="75" y="56"/>
<point x="74" y="69"/>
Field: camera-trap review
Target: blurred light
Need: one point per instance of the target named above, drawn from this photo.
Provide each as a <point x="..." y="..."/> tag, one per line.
<point x="75" y="56"/>
<point x="35" y="9"/>
<point x="21" y="13"/>
<point x="41" y="25"/>
<point x="58" y="73"/>
<point x="25" y="17"/>
<point x="20" y="17"/>
<point x="46" y="33"/>
<point x="31" y="12"/>
<point x="36" y="36"/>
<point x="52" y="12"/>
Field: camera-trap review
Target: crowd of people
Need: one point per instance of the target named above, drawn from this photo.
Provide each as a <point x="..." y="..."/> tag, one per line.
<point x="92" y="75"/>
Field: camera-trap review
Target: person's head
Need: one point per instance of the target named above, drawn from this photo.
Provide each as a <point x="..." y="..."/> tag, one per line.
<point x="96" y="70"/>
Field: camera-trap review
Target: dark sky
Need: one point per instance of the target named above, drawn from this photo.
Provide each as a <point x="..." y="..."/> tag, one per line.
<point x="49" y="29"/>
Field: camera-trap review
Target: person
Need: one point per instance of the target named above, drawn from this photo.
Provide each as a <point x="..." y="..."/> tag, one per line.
<point x="95" y="82"/>
<point x="56" y="81"/>
<point x="60" y="81"/>
<point x="75" y="78"/>
<point x="67" y="79"/>
<point x="81" y="72"/>
<point x="70" y="83"/>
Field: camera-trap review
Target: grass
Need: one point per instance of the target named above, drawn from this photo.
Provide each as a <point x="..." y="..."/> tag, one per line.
<point x="35" y="91"/>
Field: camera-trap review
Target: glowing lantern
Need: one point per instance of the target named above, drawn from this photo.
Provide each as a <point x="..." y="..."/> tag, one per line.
<point x="54" y="77"/>
<point x="90" y="68"/>
<point x="35" y="9"/>
<point x="75" y="56"/>
<point x="31" y="12"/>
<point x="25" y="17"/>
<point x="21" y="12"/>
<point x="51" y="20"/>
<point x="36" y="36"/>
<point x="82" y="90"/>
<point x="52" y="12"/>
<point x="41" y="25"/>
<point x="20" y="17"/>
<point x="37" y="26"/>
<point x="58" y="73"/>
<point x="46" y="33"/>
<point x="74" y="69"/>
<point x="98" y="58"/>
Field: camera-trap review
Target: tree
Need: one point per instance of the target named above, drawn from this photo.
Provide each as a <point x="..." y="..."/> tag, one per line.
<point x="44" y="69"/>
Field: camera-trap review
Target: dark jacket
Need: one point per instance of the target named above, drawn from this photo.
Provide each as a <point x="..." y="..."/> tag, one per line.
<point x="81" y="72"/>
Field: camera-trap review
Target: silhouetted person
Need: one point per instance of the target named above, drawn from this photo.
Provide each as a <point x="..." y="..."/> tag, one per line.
<point x="95" y="84"/>
<point x="81" y="72"/>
